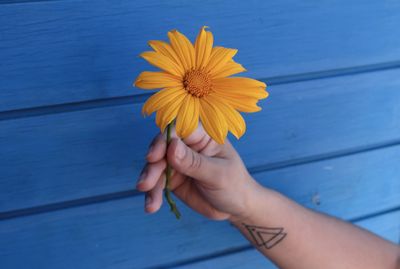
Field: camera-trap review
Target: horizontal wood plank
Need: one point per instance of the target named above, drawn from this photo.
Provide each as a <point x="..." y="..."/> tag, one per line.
<point x="245" y="259"/>
<point x="66" y="156"/>
<point x="117" y="234"/>
<point x="386" y="226"/>
<point x="72" y="51"/>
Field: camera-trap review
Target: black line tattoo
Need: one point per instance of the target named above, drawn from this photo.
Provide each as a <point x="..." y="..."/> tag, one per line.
<point x="263" y="236"/>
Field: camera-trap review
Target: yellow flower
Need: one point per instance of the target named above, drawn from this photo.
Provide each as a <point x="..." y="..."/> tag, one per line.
<point x="196" y="85"/>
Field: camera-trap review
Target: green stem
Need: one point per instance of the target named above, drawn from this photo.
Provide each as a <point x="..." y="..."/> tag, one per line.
<point x="168" y="171"/>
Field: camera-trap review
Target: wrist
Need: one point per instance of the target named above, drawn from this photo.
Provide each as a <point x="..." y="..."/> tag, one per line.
<point x="253" y="197"/>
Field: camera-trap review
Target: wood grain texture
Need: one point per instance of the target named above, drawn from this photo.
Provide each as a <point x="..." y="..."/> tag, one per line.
<point x="66" y="156"/>
<point x="70" y="51"/>
<point x="386" y="226"/>
<point x="117" y="234"/>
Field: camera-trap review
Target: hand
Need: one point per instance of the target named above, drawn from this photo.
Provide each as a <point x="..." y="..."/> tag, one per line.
<point x="208" y="177"/>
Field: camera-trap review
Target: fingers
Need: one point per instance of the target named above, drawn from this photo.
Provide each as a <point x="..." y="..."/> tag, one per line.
<point x="152" y="181"/>
<point x="190" y="163"/>
<point x="201" y="142"/>
<point x="150" y="175"/>
<point x="152" y="178"/>
<point x="186" y="161"/>
<point x="154" y="197"/>
<point x="198" y="139"/>
<point x="157" y="149"/>
<point x="226" y="151"/>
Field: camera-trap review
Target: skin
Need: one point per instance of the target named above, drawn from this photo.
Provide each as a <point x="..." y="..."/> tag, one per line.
<point x="212" y="180"/>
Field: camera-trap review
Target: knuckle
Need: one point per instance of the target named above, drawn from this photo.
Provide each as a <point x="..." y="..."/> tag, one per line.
<point x="195" y="161"/>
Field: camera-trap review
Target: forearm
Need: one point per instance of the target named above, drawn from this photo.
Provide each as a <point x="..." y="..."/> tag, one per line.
<point x="295" y="237"/>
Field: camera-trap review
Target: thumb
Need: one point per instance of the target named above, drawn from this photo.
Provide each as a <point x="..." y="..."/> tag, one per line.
<point x="190" y="163"/>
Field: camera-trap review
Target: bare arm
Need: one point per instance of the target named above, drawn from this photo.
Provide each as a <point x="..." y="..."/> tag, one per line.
<point x="295" y="237"/>
<point x="212" y="180"/>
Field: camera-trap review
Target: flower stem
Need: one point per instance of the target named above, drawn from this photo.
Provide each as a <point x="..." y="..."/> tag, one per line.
<point x="168" y="171"/>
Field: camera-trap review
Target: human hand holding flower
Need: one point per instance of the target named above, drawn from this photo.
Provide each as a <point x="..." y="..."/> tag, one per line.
<point x="209" y="177"/>
<point x="196" y="86"/>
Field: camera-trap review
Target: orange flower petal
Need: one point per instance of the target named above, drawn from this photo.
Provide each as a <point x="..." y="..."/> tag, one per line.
<point x="219" y="57"/>
<point x="162" y="98"/>
<point x="183" y="48"/>
<point x="165" y="49"/>
<point x="188" y="116"/>
<point x="168" y="112"/>
<point x="156" y="80"/>
<point x="235" y="121"/>
<point x="213" y="121"/>
<point x="229" y="69"/>
<point x="163" y="62"/>
<point x="203" y="47"/>
<point x="241" y="103"/>
<point x="238" y="86"/>
<point x="240" y="81"/>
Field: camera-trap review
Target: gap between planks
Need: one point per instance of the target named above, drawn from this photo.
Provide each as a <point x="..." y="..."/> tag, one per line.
<point x="140" y="98"/>
<point x="109" y="197"/>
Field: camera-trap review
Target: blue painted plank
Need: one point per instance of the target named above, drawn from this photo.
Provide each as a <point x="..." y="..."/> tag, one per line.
<point x="65" y="51"/>
<point x="68" y="156"/>
<point x="386" y="226"/>
<point x="245" y="259"/>
<point x="117" y="234"/>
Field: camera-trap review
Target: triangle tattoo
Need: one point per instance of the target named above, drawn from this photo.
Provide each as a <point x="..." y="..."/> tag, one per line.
<point x="267" y="237"/>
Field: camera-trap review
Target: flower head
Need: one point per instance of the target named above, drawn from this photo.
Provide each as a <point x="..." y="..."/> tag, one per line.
<point x="195" y="84"/>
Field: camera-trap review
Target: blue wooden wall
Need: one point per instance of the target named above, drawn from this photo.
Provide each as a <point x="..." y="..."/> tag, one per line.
<point x="72" y="138"/>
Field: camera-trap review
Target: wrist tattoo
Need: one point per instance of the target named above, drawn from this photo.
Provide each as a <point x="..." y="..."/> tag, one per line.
<point x="264" y="236"/>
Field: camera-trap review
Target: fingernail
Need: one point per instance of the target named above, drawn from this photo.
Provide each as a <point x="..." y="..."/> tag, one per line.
<point x="180" y="150"/>
<point x="150" y="150"/>
<point x="148" y="200"/>
<point x="142" y="177"/>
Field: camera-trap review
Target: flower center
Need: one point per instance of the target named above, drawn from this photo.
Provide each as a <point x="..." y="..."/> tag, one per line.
<point x="197" y="82"/>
